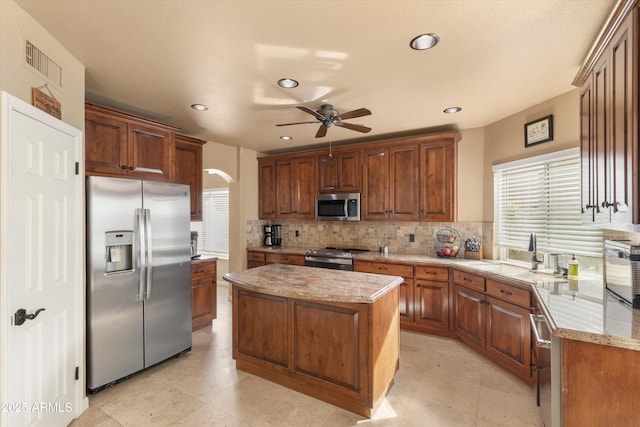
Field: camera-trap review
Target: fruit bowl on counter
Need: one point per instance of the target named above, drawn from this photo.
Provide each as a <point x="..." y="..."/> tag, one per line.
<point x="447" y="243"/>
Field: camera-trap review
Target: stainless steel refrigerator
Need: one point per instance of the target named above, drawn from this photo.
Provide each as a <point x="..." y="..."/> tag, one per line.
<point x="138" y="276"/>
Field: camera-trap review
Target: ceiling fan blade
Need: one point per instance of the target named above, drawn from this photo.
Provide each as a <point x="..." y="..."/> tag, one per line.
<point x="358" y="128"/>
<point x="321" y="132"/>
<point x="353" y="114"/>
<point x="310" y="111"/>
<point x="298" y="123"/>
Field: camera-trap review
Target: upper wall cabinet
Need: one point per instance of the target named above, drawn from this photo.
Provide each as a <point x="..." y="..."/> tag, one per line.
<point x="391" y="183"/>
<point x="402" y="179"/>
<point x="339" y="171"/>
<point x="188" y="170"/>
<point x="121" y="144"/>
<point x="438" y="177"/>
<point x="609" y="123"/>
<point x="296" y="188"/>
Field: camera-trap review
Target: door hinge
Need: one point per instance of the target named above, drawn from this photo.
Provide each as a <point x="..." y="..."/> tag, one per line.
<point x="77" y="168"/>
<point x="77" y="373"/>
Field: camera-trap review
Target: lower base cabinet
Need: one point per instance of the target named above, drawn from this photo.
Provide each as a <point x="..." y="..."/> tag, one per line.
<point x="329" y="350"/>
<point x="494" y="320"/>
<point x="203" y="293"/>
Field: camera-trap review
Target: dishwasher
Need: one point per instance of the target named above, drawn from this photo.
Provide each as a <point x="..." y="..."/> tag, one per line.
<point x="547" y="358"/>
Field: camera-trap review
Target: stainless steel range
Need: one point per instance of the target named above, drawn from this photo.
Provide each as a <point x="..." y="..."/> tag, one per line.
<point x="333" y="258"/>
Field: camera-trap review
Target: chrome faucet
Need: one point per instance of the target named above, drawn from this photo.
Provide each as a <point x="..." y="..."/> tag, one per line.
<point x="533" y="247"/>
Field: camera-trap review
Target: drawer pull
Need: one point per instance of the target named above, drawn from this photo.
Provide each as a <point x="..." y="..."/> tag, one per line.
<point x="430" y="272"/>
<point x="466" y="279"/>
<point x="383" y="268"/>
<point x="507" y="293"/>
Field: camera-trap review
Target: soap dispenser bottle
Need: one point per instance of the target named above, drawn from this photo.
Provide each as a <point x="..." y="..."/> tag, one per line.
<point x="573" y="267"/>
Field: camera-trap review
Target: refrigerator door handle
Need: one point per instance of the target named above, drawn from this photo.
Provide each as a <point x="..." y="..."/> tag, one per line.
<point x="140" y="261"/>
<point x="149" y="251"/>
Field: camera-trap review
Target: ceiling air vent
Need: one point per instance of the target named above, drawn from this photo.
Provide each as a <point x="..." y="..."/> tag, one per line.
<point x="41" y="63"/>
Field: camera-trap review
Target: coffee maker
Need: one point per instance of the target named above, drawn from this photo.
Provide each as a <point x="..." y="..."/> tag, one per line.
<point x="267" y="239"/>
<point x="276" y="234"/>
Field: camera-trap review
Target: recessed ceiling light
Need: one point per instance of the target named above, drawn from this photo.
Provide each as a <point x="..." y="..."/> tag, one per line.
<point x="286" y="138"/>
<point x="452" y="110"/>
<point x="424" y="41"/>
<point x="287" y="83"/>
<point x="199" y="107"/>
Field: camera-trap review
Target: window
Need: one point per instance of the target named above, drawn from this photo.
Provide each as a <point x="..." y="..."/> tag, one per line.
<point x="542" y="195"/>
<point x="213" y="231"/>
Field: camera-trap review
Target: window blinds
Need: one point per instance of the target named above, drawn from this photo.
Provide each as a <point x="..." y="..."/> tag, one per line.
<point x="213" y="232"/>
<point x="542" y="195"/>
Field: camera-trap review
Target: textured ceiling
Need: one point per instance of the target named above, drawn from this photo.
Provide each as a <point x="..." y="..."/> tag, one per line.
<point x="156" y="58"/>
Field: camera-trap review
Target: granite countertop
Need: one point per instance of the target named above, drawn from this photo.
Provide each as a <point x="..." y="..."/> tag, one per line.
<point x="317" y="284"/>
<point x="579" y="309"/>
<point x="203" y="257"/>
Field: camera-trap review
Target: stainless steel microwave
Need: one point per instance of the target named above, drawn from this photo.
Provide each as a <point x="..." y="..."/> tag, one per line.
<point x="338" y="207"/>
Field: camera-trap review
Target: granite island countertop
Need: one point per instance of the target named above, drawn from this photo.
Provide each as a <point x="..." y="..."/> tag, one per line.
<point x="315" y="284"/>
<point x="579" y="309"/>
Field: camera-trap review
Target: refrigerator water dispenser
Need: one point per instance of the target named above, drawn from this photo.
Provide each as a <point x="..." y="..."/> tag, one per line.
<point x="119" y="251"/>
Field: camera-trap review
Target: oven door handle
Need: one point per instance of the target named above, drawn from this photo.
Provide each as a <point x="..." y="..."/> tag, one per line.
<point x="535" y="320"/>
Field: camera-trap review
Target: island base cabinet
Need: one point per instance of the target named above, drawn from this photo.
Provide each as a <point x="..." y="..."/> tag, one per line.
<point x="345" y="354"/>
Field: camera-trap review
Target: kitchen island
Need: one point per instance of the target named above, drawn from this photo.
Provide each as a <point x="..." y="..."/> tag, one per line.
<point x="330" y="334"/>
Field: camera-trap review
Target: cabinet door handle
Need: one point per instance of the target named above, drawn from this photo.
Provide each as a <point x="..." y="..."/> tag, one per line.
<point x="123" y="166"/>
<point x="591" y="206"/>
<point x="130" y="168"/>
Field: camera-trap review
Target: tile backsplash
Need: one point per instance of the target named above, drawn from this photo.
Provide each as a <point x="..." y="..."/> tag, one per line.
<point x="371" y="234"/>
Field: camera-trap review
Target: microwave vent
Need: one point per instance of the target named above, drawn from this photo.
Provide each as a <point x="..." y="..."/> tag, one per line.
<point x="42" y="64"/>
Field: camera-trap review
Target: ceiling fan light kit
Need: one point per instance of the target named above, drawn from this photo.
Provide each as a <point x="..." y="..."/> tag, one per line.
<point x="328" y="116"/>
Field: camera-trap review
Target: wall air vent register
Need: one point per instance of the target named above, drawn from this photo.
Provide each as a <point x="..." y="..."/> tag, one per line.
<point x="39" y="62"/>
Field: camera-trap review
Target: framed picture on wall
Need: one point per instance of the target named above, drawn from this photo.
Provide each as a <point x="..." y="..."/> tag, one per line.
<point x="538" y="131"/>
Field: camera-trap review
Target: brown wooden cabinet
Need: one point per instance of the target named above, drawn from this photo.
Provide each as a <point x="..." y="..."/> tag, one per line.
<point x="267" y="188"/>
<point x="494" y="321"/>
<point x="402" y="179"/>
<point x="609" y="127"/>
<point x="120" y="144"/>
<point x="283" y="258"/>
<point x="329" y="350"/>
<point x="188" y="170"/>
<point x="432" y="299"/>
<point x="438" y="175"/>
<point x="258" y="258"/>
<point x="340" y="171"/>
<point x="391" y="183"/>
<point x="255" y="259"/>
<point x="203" y="292"/>
<point x="406" y="288"/>
<point x="599" y="384"/>
<point x="295" y="188"/>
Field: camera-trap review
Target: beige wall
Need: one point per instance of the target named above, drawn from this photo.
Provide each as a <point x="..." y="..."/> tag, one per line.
<point x="242" y="165"/>
<point x="470" y="175"/>
<point x="17" y="79"/>
<point x="504" y="139"/>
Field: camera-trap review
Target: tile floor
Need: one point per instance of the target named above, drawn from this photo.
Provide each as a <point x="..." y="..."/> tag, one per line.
<point x="440" y="383"/>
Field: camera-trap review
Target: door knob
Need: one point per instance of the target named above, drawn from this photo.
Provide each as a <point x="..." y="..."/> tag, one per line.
<point x="21" y="316"/>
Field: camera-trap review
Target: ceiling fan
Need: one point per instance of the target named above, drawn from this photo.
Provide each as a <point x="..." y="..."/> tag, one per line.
<point x="327" y="117"/>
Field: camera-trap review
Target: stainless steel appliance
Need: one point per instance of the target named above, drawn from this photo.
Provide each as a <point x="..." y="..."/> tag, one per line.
<point x="622" y="270"/>
<point x="276" y="234"/>
<point x="267" y="239"/>
<point x="338" y="207"/>
<point x="331" y="257"/>
<point x="194" y="244"/>
<point x="138" y="276"/>
<point x="547" y="361"/>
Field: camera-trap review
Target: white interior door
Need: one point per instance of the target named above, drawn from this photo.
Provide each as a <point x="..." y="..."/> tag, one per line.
<point x="42" y="269"/>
